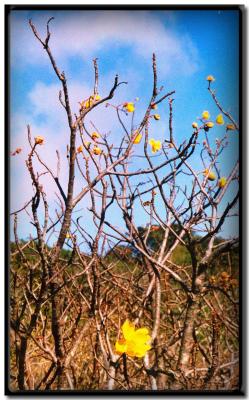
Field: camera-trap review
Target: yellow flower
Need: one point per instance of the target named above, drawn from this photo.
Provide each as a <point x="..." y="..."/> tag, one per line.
<point x="138" y="138"/>
<point x="135" y="342"/>
<point x="86" y="103"/>
<point x="230" y="127"/>
<point x="195" y="125"/>
<point x="68" y="235"/>
<point x="209" y="125"/>
<point x="205" y="115"/>
<point x="97" y="97"/>
<point x="210" y="175"/>
<point x="210" y="78"/>
<point x="219" y="119"/>
<point x="222" y="182"/>
<point x="155" y="145"/>
<point x="154" y="106"/>
<point x="39" y="140"/>
<point x="157" y="117"/>
<point x="95" y="136"/>
<point x="80" y="149"/>
<point x="129" y="107"/>
<point x="97" y="150"/>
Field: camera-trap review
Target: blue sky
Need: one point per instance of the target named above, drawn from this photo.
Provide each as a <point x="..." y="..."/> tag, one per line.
<point x="189" y="46"/>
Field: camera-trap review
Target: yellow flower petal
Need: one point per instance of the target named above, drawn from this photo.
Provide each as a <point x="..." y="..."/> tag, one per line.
<point x="219" y="119"/>
<point x="128" y="329"/>
<point x="142" y="332"/>
<point x="205" y="115"/>
<point x="155" y="145"/>
<point x="135" y="349"/>
<point x="121" y="346"/>
<point x="129" y="107"/>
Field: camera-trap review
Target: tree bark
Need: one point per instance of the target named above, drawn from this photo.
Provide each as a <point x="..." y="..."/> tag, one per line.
<point x="187" y="338"/>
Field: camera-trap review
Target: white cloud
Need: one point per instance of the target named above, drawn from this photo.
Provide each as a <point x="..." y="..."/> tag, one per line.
<point x="86" y="33"/>
<point x="48" y="118"/>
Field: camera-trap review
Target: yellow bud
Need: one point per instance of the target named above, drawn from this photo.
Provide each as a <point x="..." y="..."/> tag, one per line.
<point x="210" y="78"/>
<point x="222" y="182"/>
<point x="97" y="97"/>
<point x="86" y="103"/>
<point x="80" y="149"/>
<point x="195" y="125"/>
<point x="97" y="150"/>
<point x="138" y="138"/>
<point x="230" y="127"/>
<point x="209" y="125"/>
<point x="156" y="117"/>
<point x="209" y="174"/>
<point x="95" y="136"/>
<point x="39" y="140"/>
